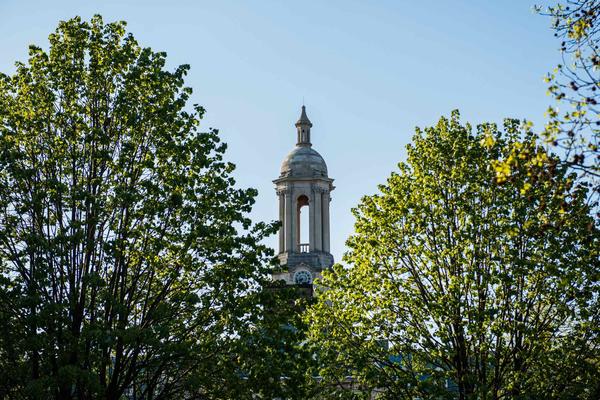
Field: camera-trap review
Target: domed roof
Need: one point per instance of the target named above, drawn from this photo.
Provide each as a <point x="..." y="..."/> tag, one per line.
<point x="304" y="162"/>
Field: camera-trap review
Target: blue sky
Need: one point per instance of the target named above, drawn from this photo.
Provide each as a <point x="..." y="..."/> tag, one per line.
<point x="369" y="72"/>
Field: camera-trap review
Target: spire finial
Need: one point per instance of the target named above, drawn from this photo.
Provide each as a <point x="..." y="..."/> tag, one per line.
<point x="303" y="126"/>
<point x="303" y="118"/>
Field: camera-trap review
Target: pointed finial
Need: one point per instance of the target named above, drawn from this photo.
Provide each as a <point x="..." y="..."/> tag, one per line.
<point x="303" y="118"/>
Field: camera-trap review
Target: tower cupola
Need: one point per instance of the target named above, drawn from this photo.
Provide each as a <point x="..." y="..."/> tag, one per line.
<point x="303" y="126"/>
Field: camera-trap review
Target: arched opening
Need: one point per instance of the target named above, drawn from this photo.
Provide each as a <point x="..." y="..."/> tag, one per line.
<point x="302" y="233"/>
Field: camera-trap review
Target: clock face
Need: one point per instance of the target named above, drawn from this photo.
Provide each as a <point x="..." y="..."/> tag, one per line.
<point x="302" y="277"/>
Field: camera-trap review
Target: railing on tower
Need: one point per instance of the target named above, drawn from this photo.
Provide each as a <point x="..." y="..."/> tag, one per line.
<point x="304" y="248"/>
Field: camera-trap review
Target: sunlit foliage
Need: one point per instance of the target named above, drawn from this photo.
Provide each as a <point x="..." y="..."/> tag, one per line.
<point x="462" y="287"/>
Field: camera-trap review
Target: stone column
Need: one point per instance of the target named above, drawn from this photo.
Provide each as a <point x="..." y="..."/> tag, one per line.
<point x="297" y="222"/>
<point x="326" y="200"/>
<point x="294" y="221"/>
<point x="281" y="194"/>
<point x="311" y="220"/>
<point x="318" y="220"/>
<point x="288" y="220"/>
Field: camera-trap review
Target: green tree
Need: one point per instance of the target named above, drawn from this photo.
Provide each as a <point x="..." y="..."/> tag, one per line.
<point x="459" y="287"/>
<point x="575" y="83"/>
<point x="573" y="125"/>
<point x="128" y="265"/>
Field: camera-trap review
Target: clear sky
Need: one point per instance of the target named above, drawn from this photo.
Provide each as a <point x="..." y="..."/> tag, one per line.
<point x="369" y="72"/>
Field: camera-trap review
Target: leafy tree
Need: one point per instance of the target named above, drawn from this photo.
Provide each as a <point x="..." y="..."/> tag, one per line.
<point x="575" y="83"/>
<point x="574" y="123"/>
<point x="457" y="286"/>
<point x="128" y="265"/>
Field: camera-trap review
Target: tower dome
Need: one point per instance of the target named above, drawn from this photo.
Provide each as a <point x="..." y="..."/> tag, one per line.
<point x="303" y="162"/>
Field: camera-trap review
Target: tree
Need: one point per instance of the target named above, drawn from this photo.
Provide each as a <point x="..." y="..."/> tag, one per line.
<point x="128" y="265"/>
<point x="460" y="287"/>
<point x="573" y="125"/>
<point x="575" y="83"/>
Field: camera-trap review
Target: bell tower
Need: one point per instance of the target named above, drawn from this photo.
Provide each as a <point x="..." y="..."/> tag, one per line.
<point x="303" y="187"/>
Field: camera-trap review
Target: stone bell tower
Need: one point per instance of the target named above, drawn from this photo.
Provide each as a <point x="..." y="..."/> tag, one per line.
<point x="303" y="187"/>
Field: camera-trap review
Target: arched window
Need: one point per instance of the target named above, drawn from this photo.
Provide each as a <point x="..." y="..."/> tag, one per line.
<point x="303" y="225"/>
